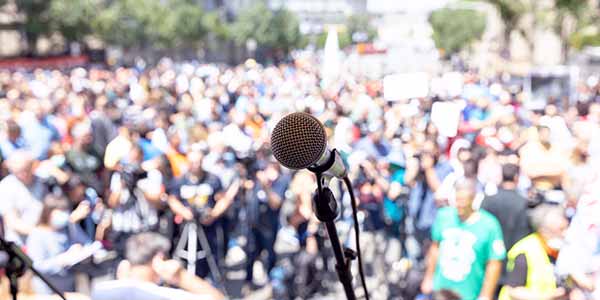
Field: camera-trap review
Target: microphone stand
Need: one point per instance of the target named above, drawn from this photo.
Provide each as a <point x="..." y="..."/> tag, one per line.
<point x="326" y="210"/>
<point x="18" y="263"/>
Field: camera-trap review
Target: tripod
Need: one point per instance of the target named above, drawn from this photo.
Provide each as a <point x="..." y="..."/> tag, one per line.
<point x="187" y="248"/>
<point x="18" y="262"/>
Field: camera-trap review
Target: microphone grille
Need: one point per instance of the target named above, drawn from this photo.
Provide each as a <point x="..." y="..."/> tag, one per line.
<point x="298" y="140"/>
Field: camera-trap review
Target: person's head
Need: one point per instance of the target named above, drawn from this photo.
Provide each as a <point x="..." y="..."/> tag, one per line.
<point x="544" y="135"/>
<point x="82" y="133"/>
<point x="470" y="168"/>
<point x="13" y="131"/>
<point x="141" y="249"/>
<point x="195" y="157"/>
<point x="75" y="189"/>
<point x="464" y="154"/>
<point x="20" y="164"/>
<point x="143" y="252"/>
<point x="135" y="155"/>
<point x="466" y="189"/>
<point x="510" y="173"/>
<point x="431" y="147"/>
<point x="550" y="223"/>
<point x="55" y="212"/>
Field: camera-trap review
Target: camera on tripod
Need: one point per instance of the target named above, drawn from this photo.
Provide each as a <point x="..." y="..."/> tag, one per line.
<point x="130" y="175"/>
<point x="197" y="198"/>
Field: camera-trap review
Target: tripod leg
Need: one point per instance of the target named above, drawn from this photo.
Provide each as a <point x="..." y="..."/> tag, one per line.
<point x="212" y="264"/>
<point x="14" y="285"/>
<point x="192" y="254"/>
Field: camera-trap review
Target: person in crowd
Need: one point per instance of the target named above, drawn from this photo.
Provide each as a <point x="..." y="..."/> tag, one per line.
<point x="425" y="171"/>
<point x="82" y="159"/>
<point x="199" y="195"/>
<point x="38" y="132"/>
<point x="22" y="197"/>
<point x="12" y="139"/>
<point x="131" y="213"/>
<point x="530" y="262"/>
<point x="467" y="250"/>
<point x="579" y="257"/>
<point x="55" y="244"/>
<point x="509" y="207"/>
<point x="147" y="273"/>
<point x="263" y="207"/>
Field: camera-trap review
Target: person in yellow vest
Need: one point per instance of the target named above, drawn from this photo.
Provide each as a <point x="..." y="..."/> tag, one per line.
<point x="530" y="262"/>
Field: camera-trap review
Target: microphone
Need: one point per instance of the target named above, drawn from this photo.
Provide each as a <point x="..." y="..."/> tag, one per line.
<point x="299" y="141"/>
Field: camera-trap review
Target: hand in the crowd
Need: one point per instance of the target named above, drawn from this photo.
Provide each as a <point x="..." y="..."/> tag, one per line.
<point x="186" y="213"/>
<point x="427" y="286"/>
<point x="263" y="179"/>
<point x="248" y="184"/>
<point x="81" y="212"/>
<point x="209" y="218"/>
<point x="584" y="282"/>
<point x="169" y="270"/>
<point x="427" y="162"/>
<point x="560" y="294"/>
<point x="67" y="256"/>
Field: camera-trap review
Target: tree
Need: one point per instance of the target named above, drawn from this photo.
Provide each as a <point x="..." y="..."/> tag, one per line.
<point x="36" y="23"/>
<point x="360" y="25"/>
<point x="150" y="23"/>
<point x="276" y="30"/>
<point x="72" y="18"/>
<point x="567" y="17"/>
<point x="455" y="29"/>
<point x="511" y="12"/>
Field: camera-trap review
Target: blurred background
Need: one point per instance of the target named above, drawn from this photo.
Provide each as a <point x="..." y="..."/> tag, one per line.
<point x="135" y="146"/>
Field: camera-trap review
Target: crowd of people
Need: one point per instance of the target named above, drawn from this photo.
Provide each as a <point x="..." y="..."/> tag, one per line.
<point x="122" y="173"/>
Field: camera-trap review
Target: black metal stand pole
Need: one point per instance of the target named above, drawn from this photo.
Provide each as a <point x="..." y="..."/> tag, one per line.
<point x="18" y="262"/>
<point x="325" y="207"/>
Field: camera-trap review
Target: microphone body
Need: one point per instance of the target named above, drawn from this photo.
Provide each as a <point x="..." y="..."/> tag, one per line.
<point x="330" y="163"/>
<point x="299" y="142"/>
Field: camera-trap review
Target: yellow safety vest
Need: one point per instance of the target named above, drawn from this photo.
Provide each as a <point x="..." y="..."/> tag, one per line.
<point x="540" y="271"/>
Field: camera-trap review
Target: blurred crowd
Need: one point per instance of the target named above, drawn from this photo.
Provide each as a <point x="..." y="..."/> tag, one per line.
<point x="122" y="173"/>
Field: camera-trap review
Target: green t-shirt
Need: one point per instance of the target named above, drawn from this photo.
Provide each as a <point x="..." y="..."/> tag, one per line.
<point x="464" y="250"/>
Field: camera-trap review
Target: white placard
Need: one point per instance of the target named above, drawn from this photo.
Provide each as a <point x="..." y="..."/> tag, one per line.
<point x="405" y="86"/>
<point x="446" y="116"/>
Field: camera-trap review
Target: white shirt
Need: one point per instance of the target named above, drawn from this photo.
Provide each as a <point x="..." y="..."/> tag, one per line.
<point x="18" y="198"/>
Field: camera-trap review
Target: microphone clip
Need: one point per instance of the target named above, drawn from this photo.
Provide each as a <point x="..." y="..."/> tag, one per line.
<point x="320" y="169"/>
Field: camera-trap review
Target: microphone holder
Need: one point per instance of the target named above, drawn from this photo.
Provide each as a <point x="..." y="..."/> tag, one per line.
<point x="326" y="210"/>
<point x="18" y="263"/>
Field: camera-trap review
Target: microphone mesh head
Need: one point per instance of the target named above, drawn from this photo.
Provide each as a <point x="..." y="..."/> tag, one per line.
<point x="298" y="140"/>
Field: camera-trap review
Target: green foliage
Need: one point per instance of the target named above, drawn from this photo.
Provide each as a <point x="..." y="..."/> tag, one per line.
<point x="37" y="21"/>
<point x="354" y="24"/>
<point x="361" y="24"/>
<point x="510" y="11"/>
<point x="279" y="29"/>
<point x="72" y="17"/>
<point x="160" y="24"/>
<point x="582" y="39"/>
<point x="344" y="39"/>
<point x="454" y="29"/>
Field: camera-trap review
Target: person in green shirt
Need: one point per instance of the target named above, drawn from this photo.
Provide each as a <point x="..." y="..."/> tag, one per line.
<point x="467" y="251"/>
